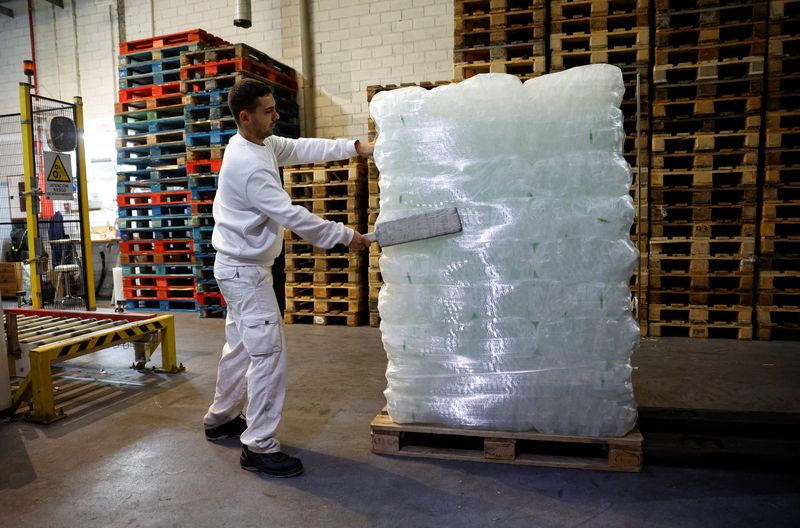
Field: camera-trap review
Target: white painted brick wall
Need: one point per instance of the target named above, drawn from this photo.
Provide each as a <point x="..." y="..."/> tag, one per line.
<point x="376" y="42"/>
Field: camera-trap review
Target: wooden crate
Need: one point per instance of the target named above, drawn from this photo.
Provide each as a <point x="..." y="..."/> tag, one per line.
<point x="10" y="278"/>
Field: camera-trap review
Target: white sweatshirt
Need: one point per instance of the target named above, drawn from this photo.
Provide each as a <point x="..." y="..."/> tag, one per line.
<point x="251" y="207"/>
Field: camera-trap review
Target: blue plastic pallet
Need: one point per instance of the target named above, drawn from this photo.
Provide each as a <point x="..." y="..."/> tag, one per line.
<point x="205" y="260"/>
<point x="148" y="114"/>
<point x="182" y="305"/>
<point x="174" y="184"/>
<point x="157" y="269"/>
<point x="147" y="176"/>
<point x="203" y="220"/>
<point x="163" y="77"/>
<point x="151" y="66"/>
<point x="203" y="182"/>
<point x="202" y="233"/>
<point x="206" y="113"/>
<point x="152" y="155"/>
<point x="209" y="139"/>
<point x="155" y="151"/>
<point x="152" y="161"/>
<point x="204" y="273"/>
<point x="142" y="128"/>
<point x="135" y="223"/>
<point x="204" y="247"/>
<point x="156" y="233"/>
<point x="208" y="97"/>
<point x="168" y="209"/>
<point x="160" y="174"/>
<point x="200" y="194"/>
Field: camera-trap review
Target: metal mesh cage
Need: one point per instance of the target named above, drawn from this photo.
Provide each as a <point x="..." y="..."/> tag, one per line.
<point x="13" y="231"/>
<point x="63" y="276"/>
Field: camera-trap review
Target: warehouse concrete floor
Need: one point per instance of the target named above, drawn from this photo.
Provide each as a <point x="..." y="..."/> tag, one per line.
<point x="141" y="459"/>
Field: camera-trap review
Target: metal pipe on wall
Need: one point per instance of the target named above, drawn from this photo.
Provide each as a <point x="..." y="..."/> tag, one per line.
<point x="77" y="52"/>
<point x="33" y="42"/>
<point x="307" y="77"/>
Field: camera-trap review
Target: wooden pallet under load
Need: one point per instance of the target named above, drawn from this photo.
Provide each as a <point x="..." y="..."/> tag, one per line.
<point x="519" y="448"/>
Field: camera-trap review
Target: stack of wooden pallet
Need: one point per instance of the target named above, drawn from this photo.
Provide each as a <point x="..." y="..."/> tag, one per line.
<point x="614" y="32"/>
<point x="157" y="249"/>
<point x="708" y="76"/>
<point x="207" y="76"/>
<point x="499" y="36"/>
<point x="778" y="307"/>
<point x="327" y="287"/>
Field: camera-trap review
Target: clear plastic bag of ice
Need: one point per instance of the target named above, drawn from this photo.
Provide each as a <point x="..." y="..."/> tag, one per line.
<point x="522" y="321"/>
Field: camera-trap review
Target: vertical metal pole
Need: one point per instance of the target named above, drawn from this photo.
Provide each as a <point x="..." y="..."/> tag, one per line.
<point x="169" y="360"/>
<point x="83" y="209"/>
<point x="44" y="409"/>
<point x="31" y="197"/>
<point x="32" y="35"/>
<point x="5" y="386"/>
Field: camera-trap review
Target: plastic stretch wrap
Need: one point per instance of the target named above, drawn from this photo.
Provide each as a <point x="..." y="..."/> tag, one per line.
<point x="523" y="321"/>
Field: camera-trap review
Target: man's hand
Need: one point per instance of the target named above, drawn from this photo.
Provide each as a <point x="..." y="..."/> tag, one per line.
<point x="365" y="150"/>
<point x="359" y="242"/>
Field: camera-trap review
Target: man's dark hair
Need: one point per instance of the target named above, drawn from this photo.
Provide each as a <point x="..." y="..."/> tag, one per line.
<point x="244" y="96"/>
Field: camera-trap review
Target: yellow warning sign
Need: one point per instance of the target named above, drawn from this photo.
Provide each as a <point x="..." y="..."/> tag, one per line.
<point x="58" y="173"/>
<point x="58" y="167"/>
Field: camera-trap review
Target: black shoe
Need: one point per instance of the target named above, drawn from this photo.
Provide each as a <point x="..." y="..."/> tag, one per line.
<point x="232" y="429"/>
<point x="272" y="464"/>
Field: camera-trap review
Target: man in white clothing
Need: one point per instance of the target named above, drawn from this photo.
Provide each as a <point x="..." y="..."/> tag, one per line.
<point x="251" y="210"/>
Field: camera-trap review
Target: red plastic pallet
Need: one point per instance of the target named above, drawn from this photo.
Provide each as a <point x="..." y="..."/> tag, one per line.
<point x="203" y="166"/>
<point x="154" y="198"/>
<point x="210" y="299"/>
<point x="145" y="258"/>
<point x="142" y="92"/>
<point x="173" y="39"/>
<point x="158" y="281"/>
<point x="228" y="66"/>
<point x="143" y="247"/>
<point x="162" y="294"/>
<point x="203" y="207"/>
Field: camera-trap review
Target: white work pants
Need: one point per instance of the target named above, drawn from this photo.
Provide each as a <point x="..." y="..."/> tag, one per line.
<point x="253" y="359"/>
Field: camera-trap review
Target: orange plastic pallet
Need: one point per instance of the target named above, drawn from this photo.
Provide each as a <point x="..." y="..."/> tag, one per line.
<point x="203" y="207"/>
<point x="156" y="246"/>
<point x="203" y="166"/>
<point x="162" y="294"/>
<point x="210" y="299"/>
<point x="173" y="39"/>
<point x="158" y="281"/>
<point x="155" y="198"/>
<point x="144" y="259"/>
<point x="149" y="103"/>
<point x="154" y="90"/>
